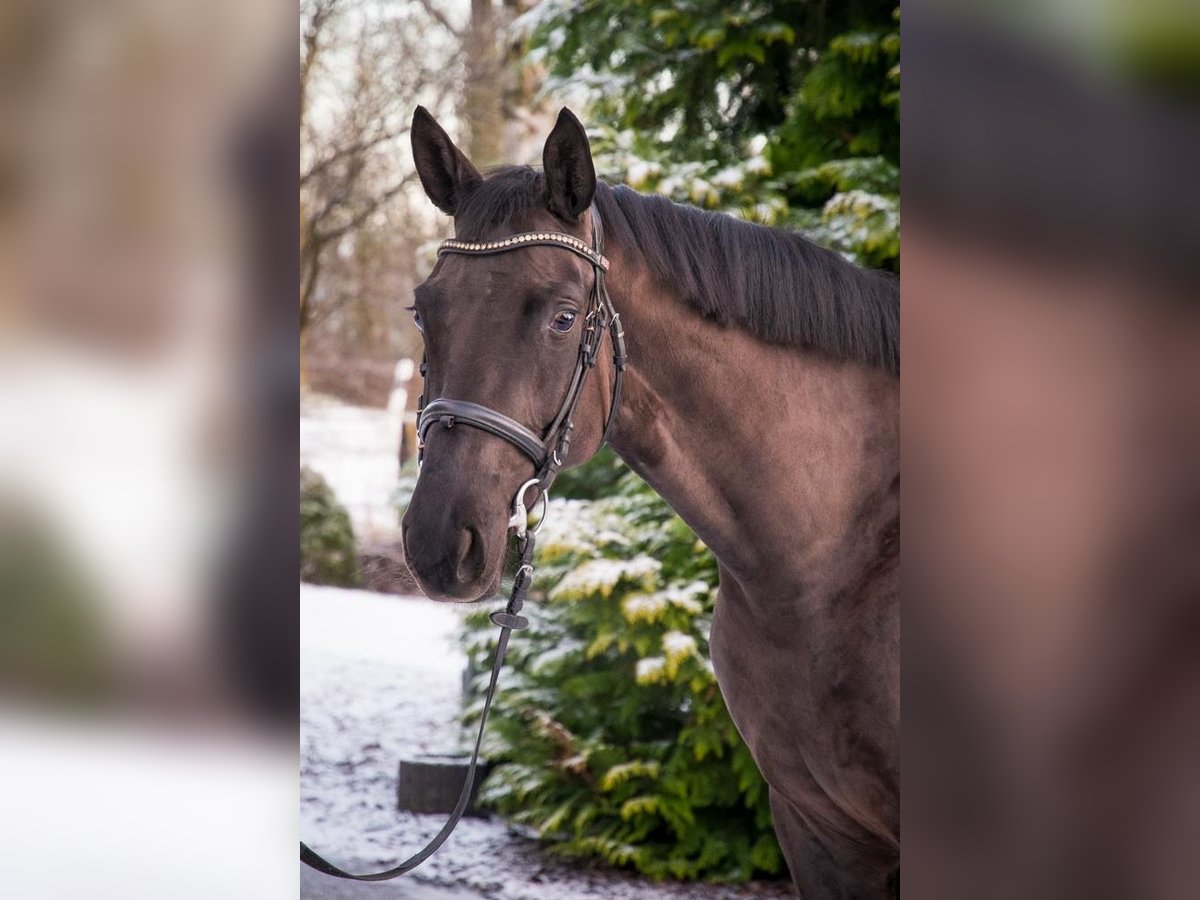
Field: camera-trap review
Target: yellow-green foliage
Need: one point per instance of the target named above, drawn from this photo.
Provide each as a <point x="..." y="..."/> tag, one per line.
<point x="610" y="734"/>
<point x="54" y="646"/>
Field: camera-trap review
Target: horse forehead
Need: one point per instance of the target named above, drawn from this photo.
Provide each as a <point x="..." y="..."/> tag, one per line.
<point x="524" y="269"/>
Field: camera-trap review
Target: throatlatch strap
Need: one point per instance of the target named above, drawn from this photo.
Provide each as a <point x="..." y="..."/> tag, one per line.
<point x="508" y="620"/>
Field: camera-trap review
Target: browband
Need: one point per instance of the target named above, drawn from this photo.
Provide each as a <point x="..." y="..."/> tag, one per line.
<point x="525" y="239"/>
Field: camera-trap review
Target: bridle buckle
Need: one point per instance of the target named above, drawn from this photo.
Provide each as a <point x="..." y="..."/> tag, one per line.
<point x="519" y="519"/>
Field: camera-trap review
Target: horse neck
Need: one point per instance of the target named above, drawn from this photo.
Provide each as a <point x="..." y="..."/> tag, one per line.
<point x="785" y="463"/>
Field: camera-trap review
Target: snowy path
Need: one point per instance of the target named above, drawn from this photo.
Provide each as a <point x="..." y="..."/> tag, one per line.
<point x="380" y="677"/>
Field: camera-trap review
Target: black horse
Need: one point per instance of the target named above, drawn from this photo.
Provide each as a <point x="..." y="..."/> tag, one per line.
<point x="761" y="400"/>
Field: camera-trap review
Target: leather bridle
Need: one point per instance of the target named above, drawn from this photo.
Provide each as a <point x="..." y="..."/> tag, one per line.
<point x="548" y="454"/>
<point x="549" y="451"/>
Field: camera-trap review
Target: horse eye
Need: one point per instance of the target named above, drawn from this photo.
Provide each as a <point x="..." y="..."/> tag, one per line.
<point x="564" y="321"/>
<point x="417" y="319"/>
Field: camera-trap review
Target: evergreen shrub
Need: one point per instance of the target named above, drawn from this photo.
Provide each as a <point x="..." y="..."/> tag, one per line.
<point x="328" y="552"/>
<point x="609" y="736"/>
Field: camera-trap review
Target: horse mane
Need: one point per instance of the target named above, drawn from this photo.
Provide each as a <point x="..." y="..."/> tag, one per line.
<point x="775" y="284"/>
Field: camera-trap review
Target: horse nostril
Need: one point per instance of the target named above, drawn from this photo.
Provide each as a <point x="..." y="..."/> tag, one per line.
<point x="470" y="555"/>
<point x="465" y="539"/>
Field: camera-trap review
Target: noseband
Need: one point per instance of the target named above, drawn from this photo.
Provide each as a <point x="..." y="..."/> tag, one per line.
<point x="548" y="452"/>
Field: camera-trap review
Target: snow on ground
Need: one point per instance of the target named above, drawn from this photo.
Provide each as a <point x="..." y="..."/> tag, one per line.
<point x="381" y="678"/>
<point x="355" y="448"/>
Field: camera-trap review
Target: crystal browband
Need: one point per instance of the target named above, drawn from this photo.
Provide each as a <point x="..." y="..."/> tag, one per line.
<point x="526" y="239"/>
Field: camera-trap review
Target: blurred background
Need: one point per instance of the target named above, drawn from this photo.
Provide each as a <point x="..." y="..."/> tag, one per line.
<point x="1051" y="404"/>
<point x="148" y="359"/>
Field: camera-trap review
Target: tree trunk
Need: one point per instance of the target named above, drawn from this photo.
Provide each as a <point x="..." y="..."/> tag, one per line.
<point x="483" y="96"/>
<point x="310" y="269"/>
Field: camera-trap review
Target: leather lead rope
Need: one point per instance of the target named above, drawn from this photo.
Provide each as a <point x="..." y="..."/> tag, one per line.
<point x="509" y="620"/>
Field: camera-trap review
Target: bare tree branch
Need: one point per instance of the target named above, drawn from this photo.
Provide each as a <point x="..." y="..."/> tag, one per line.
<point x="438" y="16"/>
<point x="352" y="149"/>
<point x="322" y="12"/>
<point x="356" y="221"/>
<point x="362" y="66"/>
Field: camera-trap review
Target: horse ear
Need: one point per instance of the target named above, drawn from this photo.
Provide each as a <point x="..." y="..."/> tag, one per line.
<point x="567" y="162"/>
<point x="446" y="173"/>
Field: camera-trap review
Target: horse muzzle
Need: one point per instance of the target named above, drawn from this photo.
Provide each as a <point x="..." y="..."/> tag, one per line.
<point x="454" y="555"/>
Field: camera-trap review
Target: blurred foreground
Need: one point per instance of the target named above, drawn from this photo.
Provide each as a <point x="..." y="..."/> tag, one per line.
<point x="148" y="632"/>
<point x="1051" y="404"/>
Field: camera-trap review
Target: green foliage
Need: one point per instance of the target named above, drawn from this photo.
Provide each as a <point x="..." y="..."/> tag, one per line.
<point x="604" y="474"/>
<point x="328" y="553"/>
<point x="53" y="641"/>
<point x="611" y="736"/>
<point x="781" y="112"/>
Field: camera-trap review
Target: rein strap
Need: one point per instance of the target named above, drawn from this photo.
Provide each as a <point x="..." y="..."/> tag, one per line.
<point x="509" y="620"/>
